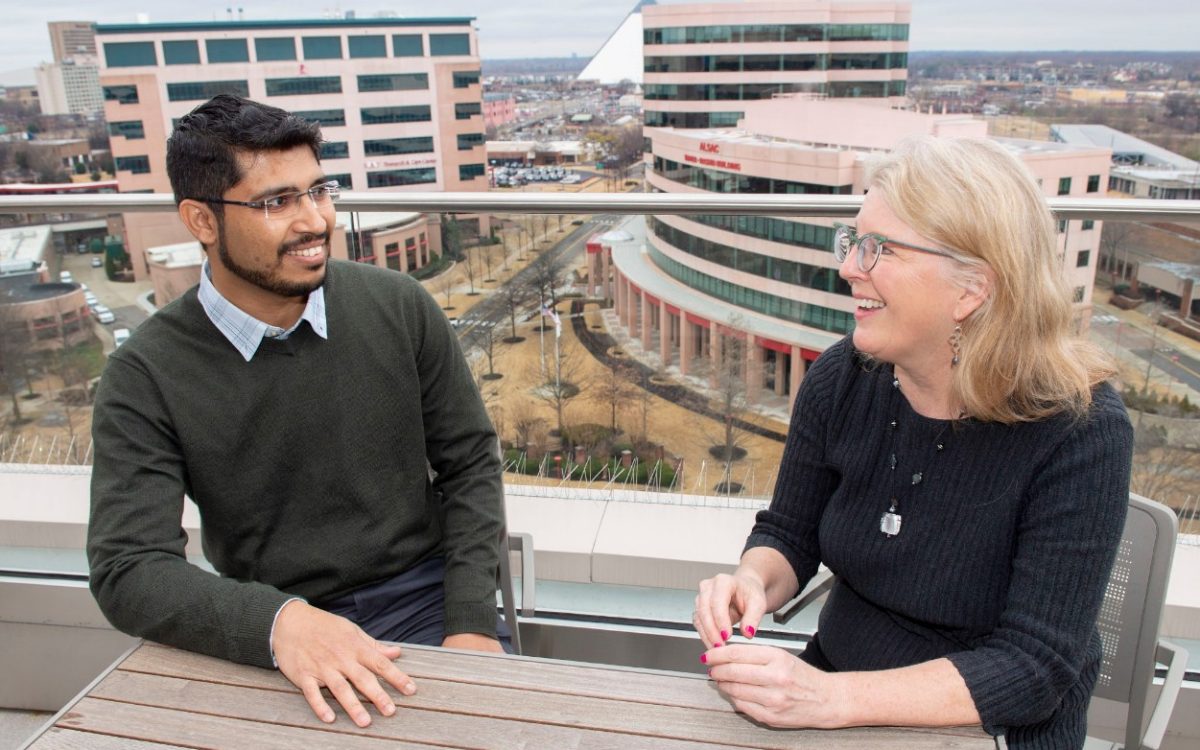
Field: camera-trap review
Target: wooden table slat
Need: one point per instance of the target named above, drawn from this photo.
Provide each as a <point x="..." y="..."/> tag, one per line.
<point x="57" y="738"/>
<point x="417" y="719"/>
<point x="193" y="730"/>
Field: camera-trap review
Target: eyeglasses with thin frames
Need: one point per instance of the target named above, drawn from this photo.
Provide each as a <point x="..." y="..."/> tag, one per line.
<point x="286" y="205"/>
<point x="870" y="247"/>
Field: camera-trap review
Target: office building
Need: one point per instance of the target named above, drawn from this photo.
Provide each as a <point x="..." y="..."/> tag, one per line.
<point x="399" y="99"/>
<point x="704" y="63"/>
<point x="70" y="87"/>
<point x="71" y="39"/>
<point x="769" y="285"/>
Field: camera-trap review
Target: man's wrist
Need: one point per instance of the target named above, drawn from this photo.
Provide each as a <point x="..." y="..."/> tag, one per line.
<point x="271" y="640"/>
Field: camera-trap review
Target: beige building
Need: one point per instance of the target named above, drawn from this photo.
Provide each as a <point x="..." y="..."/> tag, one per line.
<point x="704" y="63"/>
<point x="34" y="310"/>
<point x="69" y="39"/>
<point x="769" y="286"/>
<point x="70" y="87"/>
<point x="399" y="100"/>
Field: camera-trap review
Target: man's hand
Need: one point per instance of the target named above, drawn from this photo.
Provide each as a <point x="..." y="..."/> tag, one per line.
<point x="473" y="642"/>
<point x="316" y="649"/>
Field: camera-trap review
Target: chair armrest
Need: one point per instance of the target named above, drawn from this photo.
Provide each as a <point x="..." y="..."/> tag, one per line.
<point x="1176" y="660"/>
<point x="523" y="543"/>
<point x="817" y="587"/>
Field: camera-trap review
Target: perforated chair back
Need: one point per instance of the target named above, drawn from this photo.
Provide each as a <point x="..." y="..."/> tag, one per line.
<point x="1132" y="609"/>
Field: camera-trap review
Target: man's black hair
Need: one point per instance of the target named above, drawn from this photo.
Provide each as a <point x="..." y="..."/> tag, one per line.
<point x="202" y="152"/>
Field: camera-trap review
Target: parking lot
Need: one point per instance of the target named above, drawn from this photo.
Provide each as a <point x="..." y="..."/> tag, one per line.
<point x="119" y="297"/>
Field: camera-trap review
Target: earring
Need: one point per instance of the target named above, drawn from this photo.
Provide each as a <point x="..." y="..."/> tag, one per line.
<point x="955" y="344"/>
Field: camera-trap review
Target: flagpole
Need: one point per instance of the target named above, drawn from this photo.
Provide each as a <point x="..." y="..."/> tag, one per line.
<point x="542" y="338"/>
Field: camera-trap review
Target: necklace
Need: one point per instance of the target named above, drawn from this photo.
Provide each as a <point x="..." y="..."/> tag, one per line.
<point x="890" y="521"/>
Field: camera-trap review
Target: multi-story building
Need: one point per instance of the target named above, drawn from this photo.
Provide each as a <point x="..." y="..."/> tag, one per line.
<point x="71" y="39"/>
<point x="499" y="108"/>
<point x="769" y="286"/>
<point x="70" y="87"/>
<point x="399" y="99"/>
<point x="703" y="63"/>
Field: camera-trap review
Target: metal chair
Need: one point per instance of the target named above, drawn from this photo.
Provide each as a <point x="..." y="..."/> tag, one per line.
<point x="523" y="544"/>
<point x="1128" y="623"/>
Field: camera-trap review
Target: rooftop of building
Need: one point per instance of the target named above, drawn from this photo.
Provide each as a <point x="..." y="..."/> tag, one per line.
<point x="299" y="23"/>
<point x="37" y="292"/>
<point x="1124" y="146"/>
<point x="22" y="248"/>
<point x="180" y="255"/>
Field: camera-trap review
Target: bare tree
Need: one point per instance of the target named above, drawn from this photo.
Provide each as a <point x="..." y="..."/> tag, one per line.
<point x="470" y="266"/>
<point x="16" y="347"/>
<point x="74" y="393"/>
<point x="545" y="274"/>
<point x="643" y="400"/>
<point x="731" y="406"/>
<point x="528" y="426"/>
<point x="487" y="345"/>
<point x="444" y="284"/>
<point x="614" y="389"/>
<point x="488" y="254"/>
<point x="1114" y="236"/>
<point x="560" y="386"/>
<point x="513" y="294"/>
<point x="1161" y="471"/>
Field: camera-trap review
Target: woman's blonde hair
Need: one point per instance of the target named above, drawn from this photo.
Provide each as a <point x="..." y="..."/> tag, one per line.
<point x="1019" y="359"/>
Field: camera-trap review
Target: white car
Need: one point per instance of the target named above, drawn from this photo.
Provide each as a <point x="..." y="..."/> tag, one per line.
<point x="120" y="336"/>
<point x="103" y="314"/>
<point x="90" y="299"/>
<point x="65" y="277"/>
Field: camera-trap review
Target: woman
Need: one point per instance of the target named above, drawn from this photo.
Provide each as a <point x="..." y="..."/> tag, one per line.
<point x="958" y="462"/>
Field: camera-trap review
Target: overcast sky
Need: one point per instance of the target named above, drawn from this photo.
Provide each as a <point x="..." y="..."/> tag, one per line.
<point x="554" y="28"/>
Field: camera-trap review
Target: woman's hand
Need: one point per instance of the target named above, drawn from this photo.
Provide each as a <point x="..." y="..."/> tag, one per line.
<point x="773" y="687"/>
<point x="728" y="599"/>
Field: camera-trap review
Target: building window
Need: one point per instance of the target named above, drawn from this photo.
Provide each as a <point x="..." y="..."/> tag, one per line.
<point x="465" y="78"/>
<point x="394" y="82"/>
<point x="343" y="180"/>
<point x="335" y="150"/>
<point x="322" y="47"/>
<point x="441" y="45"/>
<point x="121" y="94"/>
<point x="188" y="92"/>
<point x="407" y="45"/>
<point x="393" y="146"/>
<point x="324" y="117"/>
<point x="304" y="86"/>
<point x="1079" y="291"/>
<point x="368" y="46"/>
<point x="467" y="110"/>
<point x="468" y="141"/>
<point x="128" y="129"/>
<point x="1064" y="186"/>
<point x="392" y="252"/>
<point x="129" y="54"/>
<point x="392" y="115"/>
<point x="470" y="171"/>
<point x="135" y="164"/>
<point x="1062" y="225"/>
<point x="1093" y="185"/>
<point x="715" y="181"/>
<point x="1089" y="224"/>
<point x="397" y="177"/>
<point x="1082" y="259"/>
<point x="227" y="50"/>
<point x="269" y="49"/>
<point x="182" y="52"/>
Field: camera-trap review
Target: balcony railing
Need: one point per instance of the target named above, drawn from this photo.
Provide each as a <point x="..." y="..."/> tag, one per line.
<point x="1098" y="209"/>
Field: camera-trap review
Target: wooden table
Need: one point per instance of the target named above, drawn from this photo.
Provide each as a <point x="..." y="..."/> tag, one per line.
<point x="159" y="697"/>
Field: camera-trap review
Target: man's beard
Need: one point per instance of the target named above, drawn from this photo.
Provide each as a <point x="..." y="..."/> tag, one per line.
<point x="269" y="279"/>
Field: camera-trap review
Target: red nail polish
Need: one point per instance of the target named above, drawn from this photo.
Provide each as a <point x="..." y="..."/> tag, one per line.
<point x="750" y="631"/>
<point x="717" y="645"/>
<point x="704" y="658"/>
<point x="724" y="635"/>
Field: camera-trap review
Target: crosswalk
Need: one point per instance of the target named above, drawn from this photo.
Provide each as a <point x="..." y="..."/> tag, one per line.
<point x="1104" y="319"/>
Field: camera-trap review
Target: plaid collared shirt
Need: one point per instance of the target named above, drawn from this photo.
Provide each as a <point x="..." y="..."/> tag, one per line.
<point x="246" y="332"/>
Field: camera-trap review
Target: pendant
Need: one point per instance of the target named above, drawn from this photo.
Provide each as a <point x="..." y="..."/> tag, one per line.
<point x="889" y="523"/>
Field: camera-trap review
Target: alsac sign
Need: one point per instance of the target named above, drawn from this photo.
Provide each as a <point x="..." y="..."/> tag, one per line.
<point x="707" y="147"/>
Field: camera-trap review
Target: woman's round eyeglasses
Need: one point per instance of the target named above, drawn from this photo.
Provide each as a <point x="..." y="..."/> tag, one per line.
<point x="870" y="247"/>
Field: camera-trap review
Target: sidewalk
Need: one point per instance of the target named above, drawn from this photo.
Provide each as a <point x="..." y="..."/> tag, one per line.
<point x="1164" y="339"/>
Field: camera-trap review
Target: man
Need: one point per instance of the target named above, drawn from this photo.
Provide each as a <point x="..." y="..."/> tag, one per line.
<point x="322" y="417"/>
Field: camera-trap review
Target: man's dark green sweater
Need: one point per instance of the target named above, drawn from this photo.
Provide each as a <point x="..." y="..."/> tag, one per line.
<point x="308" y="464"/>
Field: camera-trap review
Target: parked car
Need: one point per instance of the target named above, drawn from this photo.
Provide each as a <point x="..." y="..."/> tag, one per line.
<point x="96" y="262"/>
<point x="120" y="336"/>
<point x="103" y="314"/>
<point x="66" y="277"/>
<point x="90" y="299"/>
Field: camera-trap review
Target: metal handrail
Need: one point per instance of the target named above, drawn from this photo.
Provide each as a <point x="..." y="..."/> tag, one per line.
<point x="1099" y="209"/>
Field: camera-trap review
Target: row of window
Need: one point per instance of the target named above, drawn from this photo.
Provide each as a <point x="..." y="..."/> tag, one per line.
<point x="1093" y="184"/>
<point x="728" y="182"/>
<point x="273" y="49"/>
<point x="804" y="313"/>
<point x="753" y="91"/>
<point x="752" y="33"/>
<point x="823" y="278"/>
<point x="418" y="176"/>
<point x="772" y="230"/>
<point x="691" y="119"/>
<point x="135" y="164"/>
<point x="769" y="63"/>
<point x="129" y="129"/>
